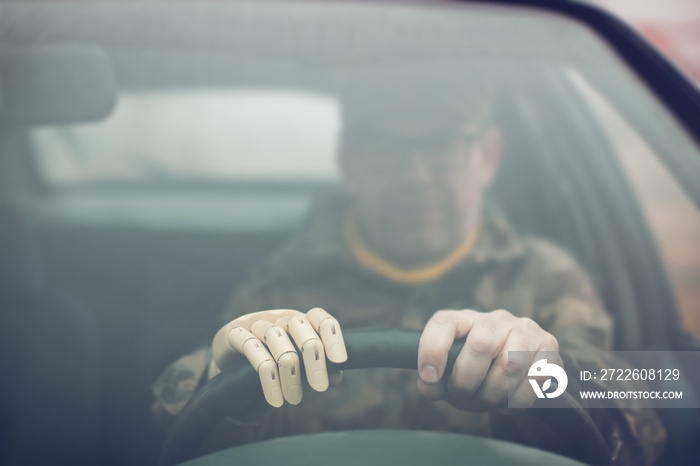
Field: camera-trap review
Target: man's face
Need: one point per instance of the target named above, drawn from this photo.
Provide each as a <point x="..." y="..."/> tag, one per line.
<point x="417" y="182"/>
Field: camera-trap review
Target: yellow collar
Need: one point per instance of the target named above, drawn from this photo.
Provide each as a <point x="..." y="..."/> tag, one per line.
<point x="374" y="262"/>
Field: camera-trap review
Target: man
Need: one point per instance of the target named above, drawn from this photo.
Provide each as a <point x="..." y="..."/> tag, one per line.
<point x="409" y="243"/>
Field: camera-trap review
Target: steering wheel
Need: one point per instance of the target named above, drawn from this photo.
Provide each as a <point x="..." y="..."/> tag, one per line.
<point x="372" y="348"/>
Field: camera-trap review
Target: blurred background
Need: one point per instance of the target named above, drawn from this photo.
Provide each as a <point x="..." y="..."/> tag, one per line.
<point x="672" y="25"/>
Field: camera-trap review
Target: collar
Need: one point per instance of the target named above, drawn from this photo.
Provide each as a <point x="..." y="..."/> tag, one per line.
<point x="322" y="245"/>
<point x="374" y="262"/>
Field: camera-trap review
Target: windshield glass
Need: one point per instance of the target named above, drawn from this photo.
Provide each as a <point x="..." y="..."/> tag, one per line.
<point x="380" y="162"/>
<point x="270" y="111"/>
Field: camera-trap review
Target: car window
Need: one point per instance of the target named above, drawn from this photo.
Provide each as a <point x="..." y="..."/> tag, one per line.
<point x="674" y="219"/>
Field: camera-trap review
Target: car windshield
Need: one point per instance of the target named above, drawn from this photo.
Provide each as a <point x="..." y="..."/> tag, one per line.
<point x="358" y="157"/>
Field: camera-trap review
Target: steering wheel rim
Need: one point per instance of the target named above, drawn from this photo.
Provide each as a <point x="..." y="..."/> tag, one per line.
<point x="367" y="348"/>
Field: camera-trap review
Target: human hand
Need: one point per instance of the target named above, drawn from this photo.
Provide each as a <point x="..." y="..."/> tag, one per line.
<point x="480" y="375"/>
<point x="263" y="338"/>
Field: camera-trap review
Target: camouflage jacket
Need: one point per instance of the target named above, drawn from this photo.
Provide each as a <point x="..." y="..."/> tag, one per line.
<point x="526" y="276"/>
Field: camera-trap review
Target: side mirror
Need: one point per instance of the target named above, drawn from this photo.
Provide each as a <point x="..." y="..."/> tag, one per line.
<point x="55" y="84"/>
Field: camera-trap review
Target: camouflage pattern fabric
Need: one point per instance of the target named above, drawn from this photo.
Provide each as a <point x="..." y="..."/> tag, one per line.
<point x="528" y="277"/>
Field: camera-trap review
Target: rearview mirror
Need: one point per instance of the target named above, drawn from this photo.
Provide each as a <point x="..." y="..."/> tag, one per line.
<point x="55" y="84"/>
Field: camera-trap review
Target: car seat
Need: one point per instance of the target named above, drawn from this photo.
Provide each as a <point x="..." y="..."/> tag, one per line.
<point x="48" y="357"/>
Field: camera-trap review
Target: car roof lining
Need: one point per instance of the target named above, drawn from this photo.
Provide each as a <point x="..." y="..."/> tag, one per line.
<point x="320" y="34"/>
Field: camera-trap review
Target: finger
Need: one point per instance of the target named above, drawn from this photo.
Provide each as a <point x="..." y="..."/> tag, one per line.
<point x="315" y="365"/>
<point x="524" y="395"/>
<point x="290" y="377"/>
<point x="284" y="353"/>
<point x="329" y="329"/>
<point x="259" y="357"/>
<point x="522" y="398"/>
<point x="312" y="351"/>
<point x="549" y="343"/>
<point x="484" y="343"/>
<point x="436" y="340"/>
<point x="548" y="349"/>
<point x="269" y="379"/>
<point x="506" y="371"/>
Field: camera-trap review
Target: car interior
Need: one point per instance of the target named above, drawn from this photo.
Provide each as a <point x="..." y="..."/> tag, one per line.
<point x="103" y="285"/>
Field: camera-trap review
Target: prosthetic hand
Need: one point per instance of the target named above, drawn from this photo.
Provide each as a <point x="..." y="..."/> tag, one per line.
<point x="263" y="338"/>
